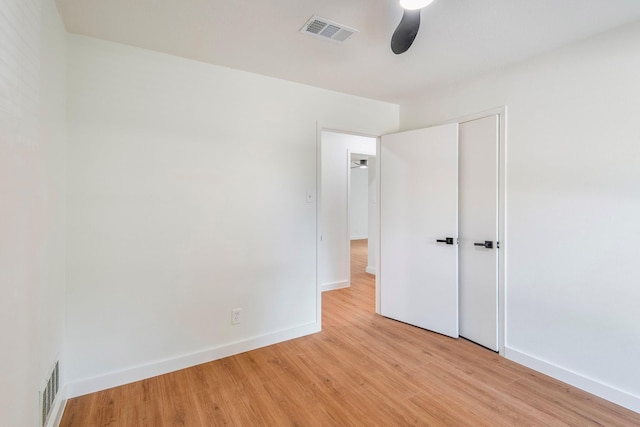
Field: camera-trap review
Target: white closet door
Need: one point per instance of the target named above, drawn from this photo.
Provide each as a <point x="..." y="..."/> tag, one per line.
<point x="479" y="231"/>
<point x="418" y="206"/>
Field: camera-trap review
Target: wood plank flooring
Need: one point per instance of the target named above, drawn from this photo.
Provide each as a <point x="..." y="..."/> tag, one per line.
<point x="361" y="370"/>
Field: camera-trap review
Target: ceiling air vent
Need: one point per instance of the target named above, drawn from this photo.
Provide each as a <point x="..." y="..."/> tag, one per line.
<point x="327" y="29"/>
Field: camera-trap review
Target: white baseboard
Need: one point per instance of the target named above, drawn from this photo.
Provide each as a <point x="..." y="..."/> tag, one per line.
<point x="370" y="270"/>
<point x="334" y="285"/>
<point x="365" y="237"/>
<point x="114" y="379"/>
<point x="55" y="416"/>
<point x="599" y="389"/>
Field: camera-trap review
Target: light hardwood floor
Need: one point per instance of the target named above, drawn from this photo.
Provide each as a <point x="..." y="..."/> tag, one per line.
<point x="361" y="370"/>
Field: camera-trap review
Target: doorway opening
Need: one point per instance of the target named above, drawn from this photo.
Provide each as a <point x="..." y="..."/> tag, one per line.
<point x="362" y="209"/>
<point x="362" y="213"/>
<point x="346" y="208"/>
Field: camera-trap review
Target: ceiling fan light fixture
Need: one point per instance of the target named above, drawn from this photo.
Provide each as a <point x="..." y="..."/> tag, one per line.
<point x="415" y="4"/>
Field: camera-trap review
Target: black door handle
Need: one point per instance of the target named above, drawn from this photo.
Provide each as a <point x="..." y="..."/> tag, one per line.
<point x="447" y="240"/>
<point x="487" y="244"/>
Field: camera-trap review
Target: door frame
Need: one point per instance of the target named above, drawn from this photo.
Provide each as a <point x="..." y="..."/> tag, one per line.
<point x="321" y="127"/>
<point x="349" y="153"/>
<point x="501" y="112"/>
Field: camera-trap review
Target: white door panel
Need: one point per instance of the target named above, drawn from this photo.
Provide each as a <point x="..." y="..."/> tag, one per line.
<point x="418" y="205"/>
<point x="478" y="279"/>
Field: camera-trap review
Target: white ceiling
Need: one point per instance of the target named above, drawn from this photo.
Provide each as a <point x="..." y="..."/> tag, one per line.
<point x="457" y="39"/>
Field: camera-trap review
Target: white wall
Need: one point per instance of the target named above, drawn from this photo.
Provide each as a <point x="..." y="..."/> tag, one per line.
<point x="373" y="216"/>
<point x="187" y="198"/>
<point x="359" y="204"/>
<point x="573" y="204"/>
<point x="333" y="270"/>
<point x="32" y="203"/>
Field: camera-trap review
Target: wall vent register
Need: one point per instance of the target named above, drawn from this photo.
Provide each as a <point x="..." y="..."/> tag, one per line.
<point x="48" y="394"/>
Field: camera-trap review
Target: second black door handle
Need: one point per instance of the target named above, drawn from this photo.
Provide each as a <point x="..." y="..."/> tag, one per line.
<point x="487" y="244"/>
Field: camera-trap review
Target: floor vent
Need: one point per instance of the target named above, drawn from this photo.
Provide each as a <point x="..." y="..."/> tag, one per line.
<point x="48" y="395"/>
<point x="327" y="29"/>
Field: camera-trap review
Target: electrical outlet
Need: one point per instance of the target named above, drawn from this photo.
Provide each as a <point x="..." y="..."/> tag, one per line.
<point x="235" y="316"/>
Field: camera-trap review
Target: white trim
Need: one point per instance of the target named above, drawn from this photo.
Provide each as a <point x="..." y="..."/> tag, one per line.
<point x="589" y="385"/>
<point x="55" y="416"/>
<point x="502" y="230"/>
<point x="359" y="237"/>
<point x="364" y="133"/>
<point x="335" y="285"/>
<point x="370" y="270"/>
<point x="348" y="236"/>
<point x="118" y="378"/>
<point x="318" y="222"/>
<point x="378" y="204"/>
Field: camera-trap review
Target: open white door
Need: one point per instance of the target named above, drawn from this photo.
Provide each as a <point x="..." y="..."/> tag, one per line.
<point x="418" y="275"/>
